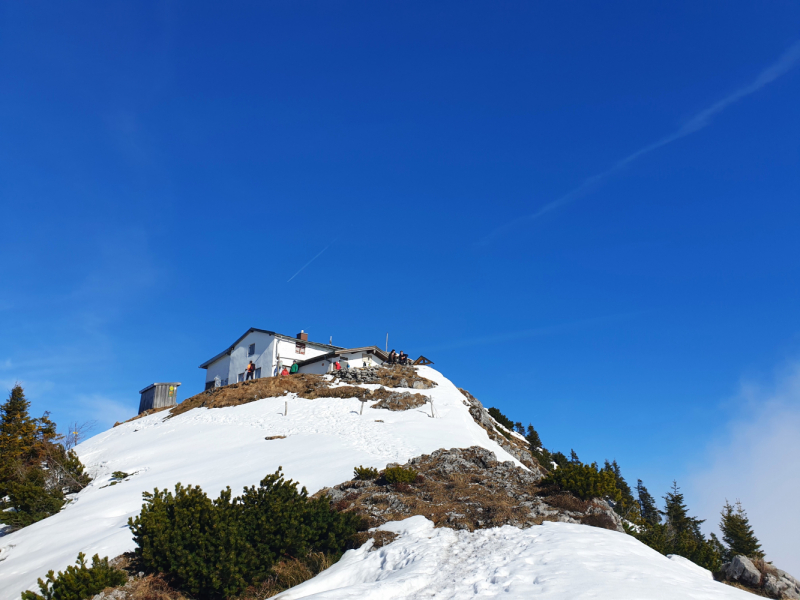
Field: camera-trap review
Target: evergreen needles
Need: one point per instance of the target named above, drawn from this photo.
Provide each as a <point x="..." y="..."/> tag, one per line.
<point x="737" y="533"/>
<point x="217" y="548"/>
<point x="36" y="471"/>
<point x="78" y="582"/>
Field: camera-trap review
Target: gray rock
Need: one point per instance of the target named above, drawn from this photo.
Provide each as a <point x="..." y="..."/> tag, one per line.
<point x="403" y="383"/>
<point x="742" y="569"/>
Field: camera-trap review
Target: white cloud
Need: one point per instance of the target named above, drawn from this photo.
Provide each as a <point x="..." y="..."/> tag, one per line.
<point x="757" y="461"/>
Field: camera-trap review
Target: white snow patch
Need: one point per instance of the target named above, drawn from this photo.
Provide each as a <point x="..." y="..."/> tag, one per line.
<point x="556" y="561"/>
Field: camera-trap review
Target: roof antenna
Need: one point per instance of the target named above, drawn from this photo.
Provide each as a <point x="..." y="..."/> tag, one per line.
<point x="330" y="341"/>
<point x="386" y="348"/>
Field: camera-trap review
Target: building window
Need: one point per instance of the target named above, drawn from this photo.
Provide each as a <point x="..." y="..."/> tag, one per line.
<point x="258" y="373"/>
<point x="300" y="348"/>
<point x="251" y="350"/>
<point x="240" y="377"/>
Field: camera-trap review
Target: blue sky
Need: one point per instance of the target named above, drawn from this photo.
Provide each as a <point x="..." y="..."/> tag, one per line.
<point x="166" y="169"/>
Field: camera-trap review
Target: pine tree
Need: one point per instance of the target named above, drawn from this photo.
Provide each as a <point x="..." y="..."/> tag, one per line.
<point x="35" y="470"/>
<point x="573" y="458"/>
<point x="533" y="438"/>
<point x="647" y="505"/>
<point x="626" y="505"/>
<point x="737" y="533"/>
<point x="560" y="459"/>
<point x="677" y="514"/>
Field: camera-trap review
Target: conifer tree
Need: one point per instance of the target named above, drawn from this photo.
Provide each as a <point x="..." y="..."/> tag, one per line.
<point x="647" y="505"/>
<point x="573" y="458"/>
<point x="625" y="506"/>
<point x="677" y="514"/>
<point x="35" y="471"/>
<point x="533" y="438"/>
<point x="560" y="459"/>
<point x="737" y="532"/>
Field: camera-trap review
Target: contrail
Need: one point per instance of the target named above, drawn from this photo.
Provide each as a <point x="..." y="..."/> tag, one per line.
<point x="784" y="64"/>
<point x="492" y="340"/>
<point x="308" y="263"/>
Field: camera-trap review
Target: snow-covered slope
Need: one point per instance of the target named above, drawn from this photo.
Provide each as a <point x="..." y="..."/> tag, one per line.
<point x="557" y="561"/>
<point x="325" y="439"/>
<point x="215" y="448"/>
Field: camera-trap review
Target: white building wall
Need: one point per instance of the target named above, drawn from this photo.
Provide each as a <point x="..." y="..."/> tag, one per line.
<point x="270" y="352"/>
<point x="220" y="368"/>
<point x="261" y="358"/>
<point x="287" y="352"/>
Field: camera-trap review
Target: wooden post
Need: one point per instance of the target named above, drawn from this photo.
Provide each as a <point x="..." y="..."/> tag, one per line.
<point x="431" y="399"/>
<point x="285" y="408"/>
<point x="361" y="412"/>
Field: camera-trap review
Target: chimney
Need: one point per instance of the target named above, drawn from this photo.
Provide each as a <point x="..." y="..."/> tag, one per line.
<point x="303" y="336"/>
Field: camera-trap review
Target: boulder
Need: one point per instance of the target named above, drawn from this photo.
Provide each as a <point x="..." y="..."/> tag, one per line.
<point x="743" y="570"/>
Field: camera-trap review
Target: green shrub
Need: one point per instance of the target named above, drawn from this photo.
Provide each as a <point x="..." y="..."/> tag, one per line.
<point x="119" y="475"/>
<point x="78" y="583"/>
<point x="217" y="548"/>
<point x="585" y="481"/>
<point x="501" y="418"/>
<point x="365" y="473"/>
<point x="399" y="475"/>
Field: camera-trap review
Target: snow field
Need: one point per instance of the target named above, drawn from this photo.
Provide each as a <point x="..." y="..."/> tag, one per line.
<point x="555" y="561"/>
<point x="220" y="447"/>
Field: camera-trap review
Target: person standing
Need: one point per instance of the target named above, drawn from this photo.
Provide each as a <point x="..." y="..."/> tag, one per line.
<point x="337" y="366"/>
<point x="249" y="371"/>
<point x="295" y="368"/>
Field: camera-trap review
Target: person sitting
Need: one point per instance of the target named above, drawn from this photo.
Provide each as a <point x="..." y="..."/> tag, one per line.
<point x="403" y="357"/>
<point x="337" y="366"/>
<point x="392" y="357"/>
<point x="249" y="371"/>
<point x="295" y="368"/>
<point x="284" y="372"/>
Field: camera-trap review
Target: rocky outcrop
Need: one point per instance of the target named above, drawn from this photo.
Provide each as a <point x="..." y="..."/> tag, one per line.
<point x="743" y="570"/>
<point x="468" y="488"/>
<point x="761" y="576"/>
<point x="514" y="446"/>
<point x="394" y="376"/>
<point x="401" y="401"/>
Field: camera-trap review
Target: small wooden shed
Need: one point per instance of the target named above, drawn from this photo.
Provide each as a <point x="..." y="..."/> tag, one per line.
<point x="158" y="395"/>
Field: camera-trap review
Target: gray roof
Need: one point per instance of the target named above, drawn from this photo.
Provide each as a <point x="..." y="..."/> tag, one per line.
<point x="175" y="383"/>
<point x="368" y="349"/>
<point x="206" y="364"/>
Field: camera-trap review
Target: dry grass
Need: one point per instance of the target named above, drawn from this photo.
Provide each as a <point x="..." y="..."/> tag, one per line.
<point x="567" y="501"/>
<point x="397" y="400"/>
<point x="287" y="574"/>
<point x="392" y="376"/>
<point x="304" y="385"/>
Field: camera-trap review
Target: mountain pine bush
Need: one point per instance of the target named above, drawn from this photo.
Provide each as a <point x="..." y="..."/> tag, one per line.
<point x="501" y="418"/>
<point x="217" y="548"/>
<point x="78" y="582"/>
<point x="399" y="475"/>
<point x="585" y="481"/>
<point x="365" y="473"/>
